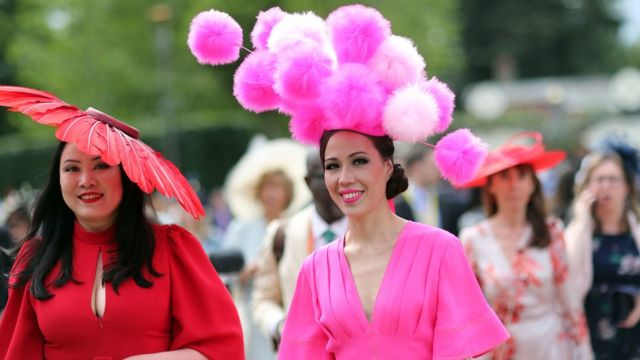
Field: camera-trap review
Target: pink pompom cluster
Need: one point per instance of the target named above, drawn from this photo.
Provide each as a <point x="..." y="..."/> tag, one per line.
<point x="346" y="72"/>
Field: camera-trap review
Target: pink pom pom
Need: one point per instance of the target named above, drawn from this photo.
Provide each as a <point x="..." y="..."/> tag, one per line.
<point x="410" y="114"/>
<point x="295" y="29"/>
<point x="397" y="62"/>
<point x="356" y="32"/>
<point x="300" y="74"/>
<point x="307" y="124"/>
<point x="459" y="155"/>
<point x="446" y="102"/>
<point x="215" y="38"/>
<point x="253" y="82"/>
<point x="265" y="23"/>
<point x="353" y="99"/>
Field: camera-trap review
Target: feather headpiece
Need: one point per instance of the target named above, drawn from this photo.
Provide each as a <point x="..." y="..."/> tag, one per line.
<point x="97" y="133"/>
<point x="346" y="73"/>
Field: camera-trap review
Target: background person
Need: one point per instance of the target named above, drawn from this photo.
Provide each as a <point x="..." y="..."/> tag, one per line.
<point x="519" y="257"/>
<point x="603" y="240"/>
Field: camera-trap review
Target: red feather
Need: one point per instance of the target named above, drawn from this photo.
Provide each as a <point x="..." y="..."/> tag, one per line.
<point x="143" y="165"/>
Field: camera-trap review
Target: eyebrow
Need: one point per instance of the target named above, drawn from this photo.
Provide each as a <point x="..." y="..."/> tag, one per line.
<point x="77" y="161"/>
<point x="350" y="155"/>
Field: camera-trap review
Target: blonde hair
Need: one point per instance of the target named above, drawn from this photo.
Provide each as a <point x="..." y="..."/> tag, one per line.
<point x="591" y="162"/>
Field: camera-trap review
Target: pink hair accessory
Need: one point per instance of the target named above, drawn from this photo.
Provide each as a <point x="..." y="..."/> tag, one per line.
<point x="253" y="82"/>
<point x="356" y="32"/>
<point x="459" y="155"/>
<point x="397" y="62"/>
<point x="445" y="98"/>
<point x="266" y="20"/>
<point x="215" y="38"/>
<point x="353" y="99"/>
<point x="301" y="74"/>
<point x="346" y="73"/>
<point x="411" y="114"/>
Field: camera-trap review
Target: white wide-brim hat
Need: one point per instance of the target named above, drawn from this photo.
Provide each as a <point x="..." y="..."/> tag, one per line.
<point x="265" y="156"/>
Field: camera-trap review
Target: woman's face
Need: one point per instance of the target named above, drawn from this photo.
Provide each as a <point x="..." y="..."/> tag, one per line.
<point x="274" y="194"/>
<point x="608" y="185"/>
<point x="512" y="188"/>
<point x="355" y="173"/>
<point x="90" y="187"/>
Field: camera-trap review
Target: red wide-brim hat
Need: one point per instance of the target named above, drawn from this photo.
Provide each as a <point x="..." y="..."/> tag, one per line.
<point x="117" y="143"/>
<point x="522" y="148"/>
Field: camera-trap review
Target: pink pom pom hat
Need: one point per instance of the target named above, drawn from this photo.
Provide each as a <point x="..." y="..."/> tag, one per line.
<point x="522" y="148"/>
<point x="348" y="72"/>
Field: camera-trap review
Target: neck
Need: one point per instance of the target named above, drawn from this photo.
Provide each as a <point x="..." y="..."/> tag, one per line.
<point x="271" y="215"/>
<point x="511" y="218"/>
<point x="612" y="219"/>
<point x="327" y="215"/>
<point x="375" y="227"/>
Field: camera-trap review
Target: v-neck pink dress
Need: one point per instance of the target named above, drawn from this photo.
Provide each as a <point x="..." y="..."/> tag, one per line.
<point x="429" y="305"/>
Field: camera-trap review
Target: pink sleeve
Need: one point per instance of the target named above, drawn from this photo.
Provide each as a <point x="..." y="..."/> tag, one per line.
<point x="303" y="337"/>
<point x="204" y="316"/>
<point x="20" y="336"/>
<point x="465" y="324"/>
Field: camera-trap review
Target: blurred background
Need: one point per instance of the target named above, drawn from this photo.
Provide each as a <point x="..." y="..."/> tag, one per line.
<point x="567" y="68"/>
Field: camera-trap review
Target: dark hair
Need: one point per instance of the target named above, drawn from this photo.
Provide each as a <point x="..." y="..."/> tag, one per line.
<point x="398" y="182"/>
<point x="50" y="236"/>
<point x="536" y="214"/>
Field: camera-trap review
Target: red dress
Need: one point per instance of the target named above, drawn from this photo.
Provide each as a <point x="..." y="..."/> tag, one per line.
<point x="187" y="307"/>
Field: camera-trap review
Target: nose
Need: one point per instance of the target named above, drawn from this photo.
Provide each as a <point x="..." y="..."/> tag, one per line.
<point x="346" y="177"/>
<point x="86" y="179"/>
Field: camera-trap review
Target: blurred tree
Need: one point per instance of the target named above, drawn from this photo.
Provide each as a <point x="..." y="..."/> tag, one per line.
<point x="506" y="39"/>
<point x="7" y="16"/>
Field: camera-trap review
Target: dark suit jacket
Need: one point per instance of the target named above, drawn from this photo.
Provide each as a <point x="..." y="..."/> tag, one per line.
<point x="452" y="203"/>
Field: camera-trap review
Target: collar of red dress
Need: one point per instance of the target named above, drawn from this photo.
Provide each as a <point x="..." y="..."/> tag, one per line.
<point x="87" y="236"/>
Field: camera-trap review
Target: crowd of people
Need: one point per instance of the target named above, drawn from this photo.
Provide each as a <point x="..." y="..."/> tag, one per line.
<point x="344" y="249"/>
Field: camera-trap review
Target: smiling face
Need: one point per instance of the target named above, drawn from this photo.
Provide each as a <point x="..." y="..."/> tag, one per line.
<point x="355" y="173"/>
<point x="91" y="188"/>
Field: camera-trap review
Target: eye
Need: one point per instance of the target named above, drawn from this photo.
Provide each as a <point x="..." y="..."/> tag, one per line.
<point x="70" y="168"/>
<point x="102" y="165"/>
<point x="330" y="166"/>
<point x="360" y="161"/>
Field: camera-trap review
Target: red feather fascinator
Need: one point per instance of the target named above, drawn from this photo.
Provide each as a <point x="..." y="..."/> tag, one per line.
<point x="97" y="133"/>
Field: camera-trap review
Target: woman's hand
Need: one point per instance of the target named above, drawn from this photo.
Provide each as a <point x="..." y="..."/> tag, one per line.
<point x="634" y="316"/>
<point x="247" y="273"/>
<point x="582" y="205"/>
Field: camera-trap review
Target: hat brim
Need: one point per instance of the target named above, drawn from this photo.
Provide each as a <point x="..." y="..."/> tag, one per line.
<point x="242" y="182"/>
<point x="542" y="161"/>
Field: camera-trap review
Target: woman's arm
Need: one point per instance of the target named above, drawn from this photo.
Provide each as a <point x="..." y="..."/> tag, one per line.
<point x="634" y="316"/>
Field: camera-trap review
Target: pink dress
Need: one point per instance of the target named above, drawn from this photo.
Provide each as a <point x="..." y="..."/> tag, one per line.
<point x="429" y="305"/>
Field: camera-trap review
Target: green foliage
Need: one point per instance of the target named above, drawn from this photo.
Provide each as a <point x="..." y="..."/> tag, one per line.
<point x="7" y="16"/>
<point x="539" y="37"/>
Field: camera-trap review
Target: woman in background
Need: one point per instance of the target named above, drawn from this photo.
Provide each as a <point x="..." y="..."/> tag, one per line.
<point x="519" y="257"/>
<point x="603" y="240"/>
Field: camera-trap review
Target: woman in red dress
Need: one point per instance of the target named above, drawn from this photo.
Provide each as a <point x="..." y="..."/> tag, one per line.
<point x="97" y="279"/>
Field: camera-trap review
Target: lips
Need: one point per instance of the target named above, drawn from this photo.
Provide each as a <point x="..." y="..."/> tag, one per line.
<point x="350" y="196"/>
<point x="90" y="197"/>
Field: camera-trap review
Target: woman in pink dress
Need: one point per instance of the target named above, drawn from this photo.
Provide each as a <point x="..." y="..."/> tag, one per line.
<point x="388" y="289"/>
<point x="520" y="260"/>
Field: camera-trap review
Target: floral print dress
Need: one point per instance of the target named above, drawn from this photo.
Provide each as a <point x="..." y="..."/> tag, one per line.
<point x="616" y="278"/>
<point x="531" y="295"/>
